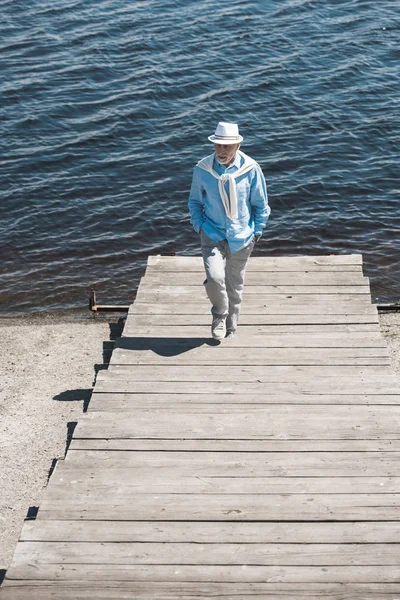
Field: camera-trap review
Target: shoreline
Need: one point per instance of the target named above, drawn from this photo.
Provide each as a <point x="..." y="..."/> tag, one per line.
<point x="47" y="377"/>
<point x="57" y="315"/>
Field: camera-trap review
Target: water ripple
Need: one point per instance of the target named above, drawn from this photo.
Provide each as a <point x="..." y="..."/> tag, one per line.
<point x="107" y="105"/>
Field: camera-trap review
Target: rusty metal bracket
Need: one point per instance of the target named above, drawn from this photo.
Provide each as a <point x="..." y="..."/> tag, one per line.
<point x="96" y="308"/>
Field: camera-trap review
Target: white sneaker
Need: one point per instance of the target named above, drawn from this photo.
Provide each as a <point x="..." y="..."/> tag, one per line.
<point x="218" y="328"/>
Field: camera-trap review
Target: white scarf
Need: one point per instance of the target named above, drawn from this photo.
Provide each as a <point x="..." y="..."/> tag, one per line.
<point x="229" y="202"/>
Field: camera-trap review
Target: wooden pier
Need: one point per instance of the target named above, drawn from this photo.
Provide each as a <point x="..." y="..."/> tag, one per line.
<point x="266" y="467"/>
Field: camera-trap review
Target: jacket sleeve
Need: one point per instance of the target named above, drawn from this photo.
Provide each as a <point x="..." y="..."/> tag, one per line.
<point x="196" y="202"/>
<point x="259" y="201"/>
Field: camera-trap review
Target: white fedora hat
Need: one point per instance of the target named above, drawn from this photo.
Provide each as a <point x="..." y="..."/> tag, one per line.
<point x="226" y="133"/>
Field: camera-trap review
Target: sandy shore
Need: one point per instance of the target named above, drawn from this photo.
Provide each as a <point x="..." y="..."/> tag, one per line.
<point x="390" y="325"/>
<point x="47" y="375"/>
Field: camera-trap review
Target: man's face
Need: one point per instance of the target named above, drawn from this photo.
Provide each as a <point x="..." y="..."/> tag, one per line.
<point x="226" y="153"/>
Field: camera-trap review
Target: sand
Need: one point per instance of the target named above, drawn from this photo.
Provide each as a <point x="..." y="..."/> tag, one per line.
<point x="47" y="375"/>
<point x="390" y="326"/>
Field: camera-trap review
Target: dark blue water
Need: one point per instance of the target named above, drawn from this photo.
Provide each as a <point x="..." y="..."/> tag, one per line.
<point x="106" y="106"/>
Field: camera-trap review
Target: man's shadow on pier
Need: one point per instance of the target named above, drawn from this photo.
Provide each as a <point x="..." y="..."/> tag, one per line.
<point x="84" y="394"/>
<point x="163" y="346"/>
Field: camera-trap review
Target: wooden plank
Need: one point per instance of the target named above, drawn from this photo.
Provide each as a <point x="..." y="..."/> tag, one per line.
<point x="262" y="290"/>
<point x="261" y="262"/>
<point x="211" y="354"/>
<point x="274" y="373"/>
<point x="285" y="344"/>
<point x="172" y="307"/>
<point x="229" y="359"/>
<point x="164" y="590"/>
<point x="255" y="264"/>
<point x="237" y="464"/>
<point x="238" y="422"/>
<point x="110" y="488"/>
<point x="115" y="402"/>
<point x="343" y="385"/>
<point x="148" y="295"/>
<point x="140" y="320"/>
<point x="248" y="331"/>
<point x="224" y="507"/>
<point x="344" y="258"/>
<point x="323" y="445"/>
<point x="217" y="573"/>
<point x="278" y="340"/>
<point x="261" y="278"/>
<point x="37" y="554"/>
<point x="221" y="532"/>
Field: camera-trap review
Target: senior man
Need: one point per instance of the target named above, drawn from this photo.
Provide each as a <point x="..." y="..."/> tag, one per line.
<point x="228" y="204"/>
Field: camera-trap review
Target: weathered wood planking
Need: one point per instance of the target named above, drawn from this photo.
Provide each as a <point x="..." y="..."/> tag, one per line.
<point x="254" y="307"/>
<point x="267" y="466"/>
<point x="264" y="290"/>
<point x="195" y="264"/>
<point x="212" y="445"/>
<point x="110" y="488"/>
<point x="220" y="532"/>
<point x="226" y="507"/>
<point x="248" y="332"/>
<point x="207" y="574"/>
<point x="208" y="554"/>
<point x="300" y="294"/>
<point x="149" y="295"/>
<point x="344" y="385"/>
<point x="224" y="422"/>
<point x="142" y="320"/>
<point x="275" y="373"/>
<point x="206" y="354"/>
<point x="115" y="402"/>
<point x="261" y="278"/>
<point x="165" y="590"/>
<point x="255" y="264"/>
<point x="341" y="259"/>
<point x="265" y="263"/>
<point x="186" y="590"/>
<point x="354" y="339"/>
<point x="235" y="464"/>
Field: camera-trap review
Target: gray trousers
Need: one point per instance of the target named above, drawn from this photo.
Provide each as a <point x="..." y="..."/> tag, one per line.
<point x="225" y="277"/>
